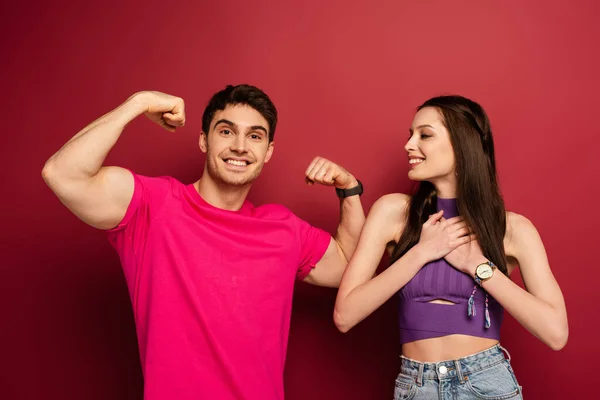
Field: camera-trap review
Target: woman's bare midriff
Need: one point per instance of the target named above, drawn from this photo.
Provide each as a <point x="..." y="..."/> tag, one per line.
<point x="449" y="347"/>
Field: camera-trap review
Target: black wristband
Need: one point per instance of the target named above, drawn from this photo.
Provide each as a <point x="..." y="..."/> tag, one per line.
<point x="356" y="190"/>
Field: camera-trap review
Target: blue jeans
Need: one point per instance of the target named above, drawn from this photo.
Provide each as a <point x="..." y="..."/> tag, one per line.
<point x="485" y="375"/>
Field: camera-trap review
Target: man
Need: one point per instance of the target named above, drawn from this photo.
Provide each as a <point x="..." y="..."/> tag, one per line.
<point x="210" y="276"/>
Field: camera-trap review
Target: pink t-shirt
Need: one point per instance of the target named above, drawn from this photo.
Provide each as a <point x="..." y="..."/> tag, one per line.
<point x="211" y="290"/>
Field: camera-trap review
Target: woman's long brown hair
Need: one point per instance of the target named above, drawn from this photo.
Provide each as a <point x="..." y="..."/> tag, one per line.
<point x="478" y="196"/>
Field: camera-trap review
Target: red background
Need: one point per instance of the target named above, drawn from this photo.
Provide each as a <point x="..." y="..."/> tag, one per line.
<point x="346" y="79"/>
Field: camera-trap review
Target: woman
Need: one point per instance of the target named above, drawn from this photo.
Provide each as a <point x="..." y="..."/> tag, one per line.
<point x="453" y="247"/>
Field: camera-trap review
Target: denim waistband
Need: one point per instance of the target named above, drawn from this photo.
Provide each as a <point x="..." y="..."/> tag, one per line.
<point x="460" y="368"/>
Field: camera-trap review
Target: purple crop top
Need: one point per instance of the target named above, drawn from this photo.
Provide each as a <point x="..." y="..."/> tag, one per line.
<point x="438" y="280"/>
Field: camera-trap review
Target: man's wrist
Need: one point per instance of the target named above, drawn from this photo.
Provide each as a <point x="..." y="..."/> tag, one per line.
<point x="132" y="108"/>
<point x="350" y="190"/>
<point x="138" y="102"/>
<point x="352" y="183"/>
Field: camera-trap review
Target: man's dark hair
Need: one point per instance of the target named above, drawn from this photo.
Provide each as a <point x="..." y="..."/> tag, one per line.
<point x="241" y="95"/>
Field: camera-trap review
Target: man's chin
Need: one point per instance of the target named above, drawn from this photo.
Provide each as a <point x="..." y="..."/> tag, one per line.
<point x="238" y="180"/>
<point x="237" y="183"/>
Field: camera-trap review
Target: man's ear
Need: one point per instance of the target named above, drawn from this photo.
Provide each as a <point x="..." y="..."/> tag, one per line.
<point x="270" y="152"/>
<point x="203" y="143"/>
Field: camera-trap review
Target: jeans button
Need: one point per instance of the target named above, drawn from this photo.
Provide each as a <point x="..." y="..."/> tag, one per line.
<point x="443" y="369"/>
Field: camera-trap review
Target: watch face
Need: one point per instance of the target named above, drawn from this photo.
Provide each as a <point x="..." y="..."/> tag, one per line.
<point x="484" y="271"/>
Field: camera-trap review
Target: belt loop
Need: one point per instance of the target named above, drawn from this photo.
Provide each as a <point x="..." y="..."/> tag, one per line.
<point x="459" y="371"/>
<point x="505" y="351"/>
<point x="420" y="374"/>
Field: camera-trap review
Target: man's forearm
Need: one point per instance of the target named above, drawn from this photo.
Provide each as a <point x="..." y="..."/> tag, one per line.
<point x="352" y="219"/>
<point x="84" y="154"/>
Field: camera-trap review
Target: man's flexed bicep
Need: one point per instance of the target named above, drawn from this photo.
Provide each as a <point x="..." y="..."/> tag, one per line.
<point x="100" y="201"/>
<point x="96" y="194"/>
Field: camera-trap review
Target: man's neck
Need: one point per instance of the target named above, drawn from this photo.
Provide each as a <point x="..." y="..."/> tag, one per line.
<point x="221" y="195"/>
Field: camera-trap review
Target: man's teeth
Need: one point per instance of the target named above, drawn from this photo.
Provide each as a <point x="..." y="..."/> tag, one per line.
<point x="415" y="161"/>
<point x="237" y="163"/>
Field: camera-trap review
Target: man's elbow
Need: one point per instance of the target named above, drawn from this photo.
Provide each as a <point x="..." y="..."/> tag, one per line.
<point x="48" y="172"/>
<point x="55" y="178"/>
<point x="52" y="176"/>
